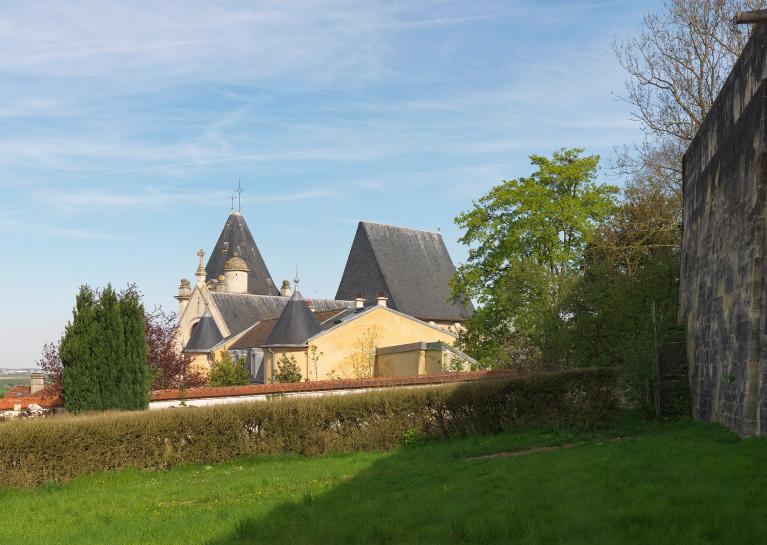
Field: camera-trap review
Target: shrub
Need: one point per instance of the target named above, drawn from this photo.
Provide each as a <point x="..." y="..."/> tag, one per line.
<point x="287" y="369"/>
<point x="227" y="372"/>
<point x="170" y="368"/>
<point x="33" y="452"/>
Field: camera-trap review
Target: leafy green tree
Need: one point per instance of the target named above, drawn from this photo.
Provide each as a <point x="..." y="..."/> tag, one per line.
<point x="227" y="372"/>
<point x="625" y="305"/>
<point x="80" y="374"/>
<point x="526" y="241"/>
<point x="287" y="369"/>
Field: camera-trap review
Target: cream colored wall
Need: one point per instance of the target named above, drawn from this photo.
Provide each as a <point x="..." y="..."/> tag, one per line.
<point x="272" y="357"/>
<point x="236" y="281"/>
<point x="434" y="362"/>
<point x="412" y="362"/>
<point x="337" y="345"/>
<point x="401" y="364"/>
<point x="201" y="363"/>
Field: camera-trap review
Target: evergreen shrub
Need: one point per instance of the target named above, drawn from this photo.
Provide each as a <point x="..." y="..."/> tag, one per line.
<point x="287" y="369"/>
<point x="229" y="372"/>
<point x="33" y="452"/>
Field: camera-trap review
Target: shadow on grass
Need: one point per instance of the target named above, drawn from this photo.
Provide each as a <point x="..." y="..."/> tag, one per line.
<point x="416" y="495"/>
<point x="637" y="491"/>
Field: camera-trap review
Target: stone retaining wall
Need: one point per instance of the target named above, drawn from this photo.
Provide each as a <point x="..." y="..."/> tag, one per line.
<point x="722" y="288"/>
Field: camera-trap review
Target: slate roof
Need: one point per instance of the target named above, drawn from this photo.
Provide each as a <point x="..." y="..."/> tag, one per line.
<point x="295" y="325"/>
<point x="236" y="237"/>
<point x="242" y="310"/>
<point x="412" y="268"/>
<point x="204" y="336"/>
<point x="257" y="335"/>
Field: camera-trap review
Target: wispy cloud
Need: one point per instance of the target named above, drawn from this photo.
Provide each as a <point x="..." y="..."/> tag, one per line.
<point x="39" y="229"/>
<point x="156" y="199"/>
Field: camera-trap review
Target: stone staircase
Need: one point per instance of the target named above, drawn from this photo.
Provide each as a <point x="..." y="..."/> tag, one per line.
<point x="674" y="385"/>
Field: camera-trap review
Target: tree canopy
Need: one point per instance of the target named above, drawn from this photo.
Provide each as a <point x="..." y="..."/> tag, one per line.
<point x="526" y="241"/>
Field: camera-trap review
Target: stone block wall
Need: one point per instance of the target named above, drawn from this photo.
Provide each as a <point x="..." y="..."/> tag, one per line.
<point x="722" y="282"/>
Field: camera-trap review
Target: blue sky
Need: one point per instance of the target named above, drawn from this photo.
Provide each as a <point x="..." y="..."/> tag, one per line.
<point x="124" y="131"/>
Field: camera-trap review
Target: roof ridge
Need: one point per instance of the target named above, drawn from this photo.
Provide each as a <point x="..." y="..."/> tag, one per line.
<point x="229" y="293"/>
<point x="366" y="222"/>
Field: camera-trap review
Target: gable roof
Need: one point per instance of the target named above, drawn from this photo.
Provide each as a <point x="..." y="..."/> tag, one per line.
<point x="412" y="267"/>
<point x="236" y="237"/>
<point x="295" y="325"/>
<point x="241" y="310"/>
<point x="204" y="336"/>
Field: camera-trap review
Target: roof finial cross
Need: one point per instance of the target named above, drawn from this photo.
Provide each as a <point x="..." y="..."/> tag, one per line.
<point x="239" y="191"/>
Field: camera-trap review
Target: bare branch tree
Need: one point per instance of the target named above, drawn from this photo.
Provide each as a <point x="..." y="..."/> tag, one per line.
<point x="676" y="67"/>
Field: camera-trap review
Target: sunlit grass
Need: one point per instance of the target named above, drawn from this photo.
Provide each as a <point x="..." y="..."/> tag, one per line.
<point x="641" y="483"/>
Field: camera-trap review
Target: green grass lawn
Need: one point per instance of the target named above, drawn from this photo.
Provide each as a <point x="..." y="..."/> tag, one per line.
<point x="681" y="483"/>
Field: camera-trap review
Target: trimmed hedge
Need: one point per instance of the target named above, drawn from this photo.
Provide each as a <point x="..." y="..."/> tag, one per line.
<point x="33" y="452"/>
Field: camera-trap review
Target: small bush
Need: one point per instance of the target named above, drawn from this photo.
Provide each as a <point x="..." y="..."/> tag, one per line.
<point x="227" y="372"/>
<point x="287" y="369"/>
<point x="411" y="437"/>
<point x="33" y="452"/>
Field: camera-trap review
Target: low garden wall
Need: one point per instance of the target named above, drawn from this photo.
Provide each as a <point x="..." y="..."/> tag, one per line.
<point x="33" y="452"/>
<point x="52" y="398"/>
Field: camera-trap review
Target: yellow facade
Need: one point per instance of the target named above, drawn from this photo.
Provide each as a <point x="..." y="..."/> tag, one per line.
<point x="413" y="359"/>
<point x="348" y="349"/>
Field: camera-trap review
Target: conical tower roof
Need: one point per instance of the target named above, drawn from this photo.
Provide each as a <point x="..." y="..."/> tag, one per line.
<point x="204" y="336"/>
<point x="236" y="238"/>
<point x="295" y="325"/>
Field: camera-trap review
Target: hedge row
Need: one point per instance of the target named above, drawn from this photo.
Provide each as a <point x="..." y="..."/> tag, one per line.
<point x="33" y="452"/>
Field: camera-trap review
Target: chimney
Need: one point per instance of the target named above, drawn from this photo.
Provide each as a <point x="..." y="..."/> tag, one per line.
<point x="382" y="299"/>
<point x="285" y="290"/>
<point x="184" y="293"/>
<point x="37" y="384"/>
<point x="359" y="301"/>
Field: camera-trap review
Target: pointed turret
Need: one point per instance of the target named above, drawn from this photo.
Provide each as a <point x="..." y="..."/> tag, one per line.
<point x="296" y="324"/>
<point x="205" y="334"/>
<point x="236" y="238"/>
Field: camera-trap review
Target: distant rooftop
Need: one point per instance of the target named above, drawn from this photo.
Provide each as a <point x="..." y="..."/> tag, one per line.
<point x="412" y="267"/>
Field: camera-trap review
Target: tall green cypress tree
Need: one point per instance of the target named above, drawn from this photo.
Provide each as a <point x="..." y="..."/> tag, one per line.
<point x="81" y="384"/>
<point x="137" y="377"/>
<point x="110" y="350"/>
<point x="104" y="352"/>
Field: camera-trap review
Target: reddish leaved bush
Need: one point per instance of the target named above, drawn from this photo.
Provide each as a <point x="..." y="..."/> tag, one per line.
<point x="171" y="368"/>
